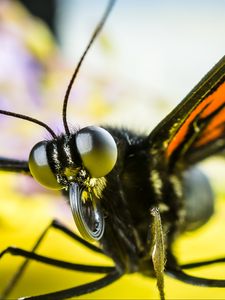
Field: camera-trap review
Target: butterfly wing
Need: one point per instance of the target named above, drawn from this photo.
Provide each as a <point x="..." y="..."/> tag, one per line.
<point x="195" y="129"/>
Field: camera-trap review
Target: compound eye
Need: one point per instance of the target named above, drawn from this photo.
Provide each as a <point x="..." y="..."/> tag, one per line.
<point x="97" y="150"/>
<point x="40" y="169"/>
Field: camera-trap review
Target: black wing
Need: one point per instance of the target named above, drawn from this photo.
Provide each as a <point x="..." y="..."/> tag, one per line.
<point x="195" y="129"/>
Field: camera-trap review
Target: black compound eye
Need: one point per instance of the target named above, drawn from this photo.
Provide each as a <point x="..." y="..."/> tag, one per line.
<point x="40" y="169"/>
<point x="97" y="150"/>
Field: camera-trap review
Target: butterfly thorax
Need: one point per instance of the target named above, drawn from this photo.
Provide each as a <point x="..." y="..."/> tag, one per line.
<point x="131" y="191"/>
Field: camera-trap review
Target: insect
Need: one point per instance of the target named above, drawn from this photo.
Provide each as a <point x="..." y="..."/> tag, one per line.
<point x="133" y="194"/>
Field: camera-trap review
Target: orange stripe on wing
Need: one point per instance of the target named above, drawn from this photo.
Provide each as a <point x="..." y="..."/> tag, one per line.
<point x="207" y="106"/>
<point x="180" y="135"/>
<point x="218" y="99"/>
<point x="213" y="130"/>
<point x="212" y="136"/>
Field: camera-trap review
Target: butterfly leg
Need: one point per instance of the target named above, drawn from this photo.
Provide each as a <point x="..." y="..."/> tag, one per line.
<point x="175" y="271"/>
<point x="31" y="255"/>
<point x="203" y="263"/>
<point x="59" y="226"/>
<point x="112" y="275"/>
<point x="79" y="290"/>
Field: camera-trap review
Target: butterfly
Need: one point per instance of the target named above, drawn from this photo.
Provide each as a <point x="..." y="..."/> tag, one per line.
<point x="131" y="194"/>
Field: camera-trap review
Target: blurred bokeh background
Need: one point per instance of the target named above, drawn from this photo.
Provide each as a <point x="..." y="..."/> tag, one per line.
<point x="148" y="57"/>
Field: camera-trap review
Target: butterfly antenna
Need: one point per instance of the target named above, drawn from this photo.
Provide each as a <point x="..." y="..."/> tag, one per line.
<point x="27" y="118"/>
<point x="94" y="35"/>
